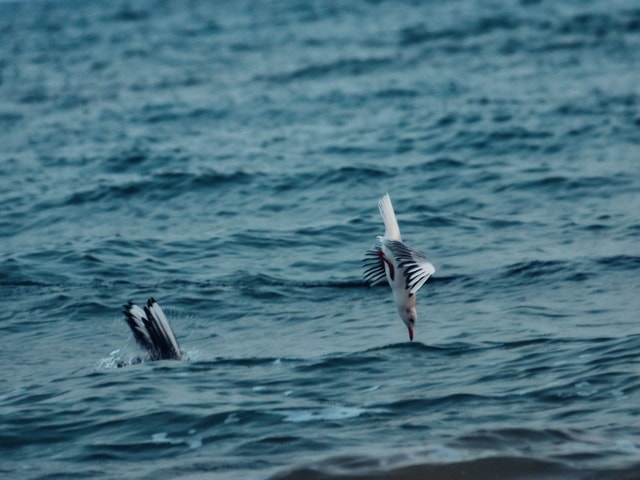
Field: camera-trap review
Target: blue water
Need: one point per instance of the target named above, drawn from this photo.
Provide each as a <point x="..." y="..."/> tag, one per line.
<point x="226" y="158"/>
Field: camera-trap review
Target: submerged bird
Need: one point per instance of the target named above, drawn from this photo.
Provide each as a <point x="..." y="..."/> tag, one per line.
<point x="152" y="331"/>
<point x="405" y="269"/>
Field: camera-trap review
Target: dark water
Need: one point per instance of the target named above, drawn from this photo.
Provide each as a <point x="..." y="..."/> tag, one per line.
<point x="226" y="158"/>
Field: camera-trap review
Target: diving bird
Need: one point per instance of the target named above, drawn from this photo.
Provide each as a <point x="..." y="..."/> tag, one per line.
<point x="152" y="331"/>
<point x="405" y="269"/>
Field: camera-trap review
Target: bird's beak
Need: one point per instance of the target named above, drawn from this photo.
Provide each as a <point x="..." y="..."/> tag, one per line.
<point x="410" y="333"/>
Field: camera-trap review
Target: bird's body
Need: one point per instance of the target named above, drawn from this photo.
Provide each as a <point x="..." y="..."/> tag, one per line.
<point x="405" y="269"/>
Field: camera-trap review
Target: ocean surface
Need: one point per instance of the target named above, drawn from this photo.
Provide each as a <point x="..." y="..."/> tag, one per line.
<point x="226" y="158"/>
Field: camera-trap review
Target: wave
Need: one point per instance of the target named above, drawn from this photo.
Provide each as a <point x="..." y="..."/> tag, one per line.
<point x="126" y="13"/>
<point x="491" y="467"/>
<point x="158" y="187"/>
<point x="586" y="29"/>
<point x="599" y="24"/>
<point x="330" y="413"/>
<point x="348" y="66"/>
<point x="171" y="114"/>
<point x="620" y="262"/>
<point x="137" y="180"/>
<point x="437" y="164"/>
<point x="453" y="348"/>
<point x="421" y="33"/>
<point x="560" y="271"/>
<point x="536" y="268"/>
<point x="23" y="270"/>
<point x="346" y="175"/>
<point x="536" y="271"/>
<point x="568" y="185"/>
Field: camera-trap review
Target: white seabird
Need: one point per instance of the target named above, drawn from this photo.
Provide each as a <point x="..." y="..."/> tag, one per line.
<point x="405" y="269"/>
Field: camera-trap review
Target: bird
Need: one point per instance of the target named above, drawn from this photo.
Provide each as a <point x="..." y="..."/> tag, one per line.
<point x="405" y="269"/>
<point x="152" y="331"/>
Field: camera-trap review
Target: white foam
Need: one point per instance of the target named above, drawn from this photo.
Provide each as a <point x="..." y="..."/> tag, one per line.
<point x="585" y="389"/>
<point x="626" y="446"/>
<point x="160" y="438"/>
<point x="328" y="413"/>
<point x="618" y="394"/>
<point x="163" y="438"/>
<point x="195" y="444"/>
<point x="232" y="418"/>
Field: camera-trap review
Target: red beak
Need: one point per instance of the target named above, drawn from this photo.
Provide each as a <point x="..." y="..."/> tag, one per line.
<point x="410" y="333"/>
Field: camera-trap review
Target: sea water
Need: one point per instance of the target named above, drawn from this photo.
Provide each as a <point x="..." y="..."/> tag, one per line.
<point x="226" y="159"/>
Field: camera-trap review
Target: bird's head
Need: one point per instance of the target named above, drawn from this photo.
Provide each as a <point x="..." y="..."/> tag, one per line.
<point x="409" y="317"/>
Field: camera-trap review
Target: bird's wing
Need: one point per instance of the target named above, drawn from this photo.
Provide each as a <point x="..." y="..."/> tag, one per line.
<point x="152" y="331"/>
<point x="416" y="267"/>
<point x="373" y="265"/>
<point x="136" y="319"/>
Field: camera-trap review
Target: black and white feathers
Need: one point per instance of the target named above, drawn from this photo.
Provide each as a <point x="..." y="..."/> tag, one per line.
<point x="152" y="331"/>
<point x="414" y="266"/>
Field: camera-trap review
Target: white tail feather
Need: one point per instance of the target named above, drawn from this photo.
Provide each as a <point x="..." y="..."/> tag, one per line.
<point x="392" y="230"/>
